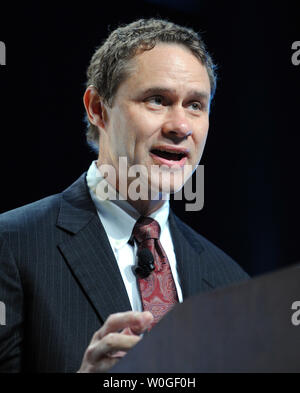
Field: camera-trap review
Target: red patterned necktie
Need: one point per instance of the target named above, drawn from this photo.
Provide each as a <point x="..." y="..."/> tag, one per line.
<point x="158" y="290"/>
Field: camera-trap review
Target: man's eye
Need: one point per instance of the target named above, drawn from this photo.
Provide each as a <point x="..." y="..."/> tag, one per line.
<point x="196" y="106"/>
<point x="156" y="100"/>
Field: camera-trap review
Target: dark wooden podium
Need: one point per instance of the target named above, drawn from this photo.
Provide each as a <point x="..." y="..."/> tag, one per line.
<point x="246" y="327"/>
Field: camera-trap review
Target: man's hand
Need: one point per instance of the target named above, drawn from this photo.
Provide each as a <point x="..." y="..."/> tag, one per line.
<point x="111" y="342"/>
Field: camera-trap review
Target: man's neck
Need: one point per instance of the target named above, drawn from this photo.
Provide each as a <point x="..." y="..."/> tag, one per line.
<point x="145" y="208"/>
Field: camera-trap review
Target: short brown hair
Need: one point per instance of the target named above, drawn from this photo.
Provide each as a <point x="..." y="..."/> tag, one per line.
<point x="109" y="64"/>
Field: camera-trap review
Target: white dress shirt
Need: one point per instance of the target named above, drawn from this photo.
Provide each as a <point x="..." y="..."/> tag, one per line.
<point x="118" y="218"/>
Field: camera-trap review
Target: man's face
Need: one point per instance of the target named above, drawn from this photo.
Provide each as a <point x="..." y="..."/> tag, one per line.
<point x="160" y="116"/>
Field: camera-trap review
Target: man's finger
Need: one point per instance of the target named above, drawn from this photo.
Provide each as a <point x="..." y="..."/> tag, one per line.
<point x="138" y="322"/>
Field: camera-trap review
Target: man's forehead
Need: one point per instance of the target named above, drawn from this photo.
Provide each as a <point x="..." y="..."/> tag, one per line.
<point x="169" y="59"/>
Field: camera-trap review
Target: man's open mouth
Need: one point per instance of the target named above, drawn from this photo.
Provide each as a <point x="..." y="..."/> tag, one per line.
<point x="168" y="156"/>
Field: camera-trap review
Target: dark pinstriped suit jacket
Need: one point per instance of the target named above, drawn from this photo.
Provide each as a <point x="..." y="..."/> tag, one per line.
<point x="59" y="278"/>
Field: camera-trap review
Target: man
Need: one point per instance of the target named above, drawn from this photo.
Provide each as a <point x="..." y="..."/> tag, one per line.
<point x="67" y="262"/>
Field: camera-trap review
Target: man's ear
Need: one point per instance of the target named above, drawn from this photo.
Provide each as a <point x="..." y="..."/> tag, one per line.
<point x="94" y="107"/>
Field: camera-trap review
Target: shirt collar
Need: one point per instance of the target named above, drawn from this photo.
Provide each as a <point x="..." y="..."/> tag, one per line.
<point x="117" y="215"/>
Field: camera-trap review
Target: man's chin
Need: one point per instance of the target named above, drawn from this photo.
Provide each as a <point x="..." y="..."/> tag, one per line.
<point x="156" y="182"/>
<point x="164" y="189"/>
<point x="170" y="182"/>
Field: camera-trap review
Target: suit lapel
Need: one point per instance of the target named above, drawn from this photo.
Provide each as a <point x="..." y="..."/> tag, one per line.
<point x="88" y="252"/>
<point x="195" y="276"/>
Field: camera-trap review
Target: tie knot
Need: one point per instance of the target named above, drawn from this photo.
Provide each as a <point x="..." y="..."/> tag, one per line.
<point x="146" y="228"/>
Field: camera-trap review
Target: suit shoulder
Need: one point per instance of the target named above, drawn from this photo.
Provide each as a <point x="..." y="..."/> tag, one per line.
<point x="43" y="210"/>
<point x="213" y="254"/>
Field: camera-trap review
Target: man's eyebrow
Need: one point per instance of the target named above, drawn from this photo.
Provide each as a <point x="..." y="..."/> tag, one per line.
<point x="198" y="94"/>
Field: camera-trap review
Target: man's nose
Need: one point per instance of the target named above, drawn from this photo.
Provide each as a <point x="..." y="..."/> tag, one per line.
<point x="176" y="126"/>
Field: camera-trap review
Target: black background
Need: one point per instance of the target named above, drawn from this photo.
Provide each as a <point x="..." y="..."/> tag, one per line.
<point x="251" y="158"/>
